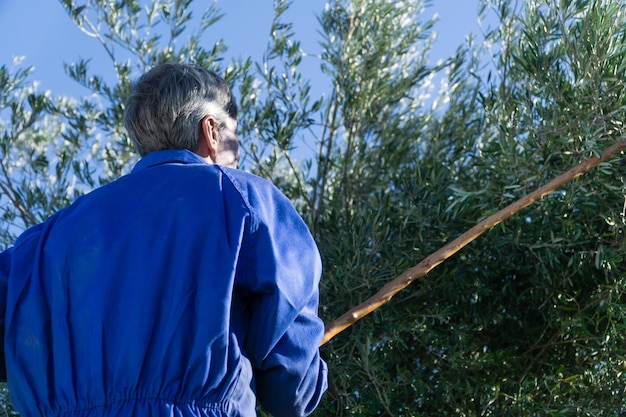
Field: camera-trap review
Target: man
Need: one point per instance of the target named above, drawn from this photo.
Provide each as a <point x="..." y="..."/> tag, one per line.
<point x="186" y="288"/>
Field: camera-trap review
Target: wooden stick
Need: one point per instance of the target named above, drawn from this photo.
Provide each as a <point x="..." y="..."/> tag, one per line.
<point x="429" y="263"/>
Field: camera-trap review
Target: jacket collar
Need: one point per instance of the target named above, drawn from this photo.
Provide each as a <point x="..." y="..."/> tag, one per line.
<point x="180" y="156"/>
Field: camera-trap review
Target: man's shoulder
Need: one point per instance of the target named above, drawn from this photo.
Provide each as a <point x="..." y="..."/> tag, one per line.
<point x="245" y="177"/>
<point x="263" y="198"/>
<point x="31" y="235"/>
<point x="253" y="188"/>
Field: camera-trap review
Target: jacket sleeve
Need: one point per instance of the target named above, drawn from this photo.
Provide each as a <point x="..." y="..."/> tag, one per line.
<point x="5" y="268"/>
<point x="285" y="331"/>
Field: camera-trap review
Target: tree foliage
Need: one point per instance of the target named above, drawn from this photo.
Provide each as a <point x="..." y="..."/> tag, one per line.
<point x="527" y="320"/>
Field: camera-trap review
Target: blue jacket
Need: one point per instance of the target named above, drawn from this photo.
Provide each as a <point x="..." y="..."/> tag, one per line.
<point x="181" y="289"/>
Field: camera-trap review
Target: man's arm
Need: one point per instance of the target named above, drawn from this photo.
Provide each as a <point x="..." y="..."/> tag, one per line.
<point x="5" y="268"/>
<point x="285" y="330"/>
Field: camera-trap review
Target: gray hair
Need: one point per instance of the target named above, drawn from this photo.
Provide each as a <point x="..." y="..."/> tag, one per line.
<point x="167" y="104"/>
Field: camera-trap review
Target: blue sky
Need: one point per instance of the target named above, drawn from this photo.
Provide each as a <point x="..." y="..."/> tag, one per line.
<point x="45" y="35"/>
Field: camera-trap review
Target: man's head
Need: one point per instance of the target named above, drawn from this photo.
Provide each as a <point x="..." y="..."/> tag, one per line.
<point x="181" y="106"/>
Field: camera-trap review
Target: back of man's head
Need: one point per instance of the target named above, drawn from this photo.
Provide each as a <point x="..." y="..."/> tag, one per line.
<point x="168" y="103"/>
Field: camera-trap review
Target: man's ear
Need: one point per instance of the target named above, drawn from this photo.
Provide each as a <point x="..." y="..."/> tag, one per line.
<point x="209" y="138"/>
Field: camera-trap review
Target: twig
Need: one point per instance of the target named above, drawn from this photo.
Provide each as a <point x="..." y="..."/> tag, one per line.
<point x="9" y="190"/>
<point x="429" y="263"/>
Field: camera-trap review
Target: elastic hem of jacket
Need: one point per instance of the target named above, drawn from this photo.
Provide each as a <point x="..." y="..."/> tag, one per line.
<point x="142" y="403"/>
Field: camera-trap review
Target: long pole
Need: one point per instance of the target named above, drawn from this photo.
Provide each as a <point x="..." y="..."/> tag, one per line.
<point x="430" y="262"/>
